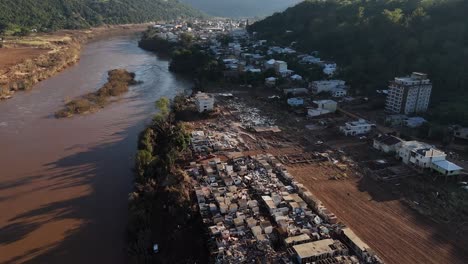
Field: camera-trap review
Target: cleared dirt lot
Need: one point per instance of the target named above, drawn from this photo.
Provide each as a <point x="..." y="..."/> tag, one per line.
<point x="395" y="232"/>
<point x="13" y="56"/>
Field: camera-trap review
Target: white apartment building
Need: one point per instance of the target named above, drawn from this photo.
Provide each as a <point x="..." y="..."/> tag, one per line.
<point x="204" y="102"/>
<point x="354" y="128"/>
<point x="409" y="95"/>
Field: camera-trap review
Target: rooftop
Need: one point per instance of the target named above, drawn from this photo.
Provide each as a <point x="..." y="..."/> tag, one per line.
<point x="357" y="241"/>
<point x="313" y="248"/>
<point x="389" y="140"/>
<point x="447" y="165"/>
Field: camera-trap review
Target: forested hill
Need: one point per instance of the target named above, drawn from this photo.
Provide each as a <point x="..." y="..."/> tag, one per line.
<point x="241" y="8"/>
<point x="376" y="40"/>
<point x="71" y="14"/>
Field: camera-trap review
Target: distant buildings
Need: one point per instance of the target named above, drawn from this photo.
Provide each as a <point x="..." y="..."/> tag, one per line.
<point x="354" y="128"/>
<point x="329" y="105"/>
<point x="387" y="143"/>
<point x="295" y="91"/>
<point x="281" y="67"/>
<point x="460" y="132"/>
<point x="270" y="81"/>
<point x="322" y="107"/>
<point x="336" y="88"/>
<point x="295" y="101"/>
<point x="409" y="95"/>
<point x="329" y="68"/>
<point x="204" y="102"/>
<point x="317" y="250"/>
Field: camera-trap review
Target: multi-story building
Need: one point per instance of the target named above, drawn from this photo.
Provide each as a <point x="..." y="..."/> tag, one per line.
<point x="204" y="102"/>
<point x="419" y="154"/>
<point x="354" y="128"/>
<point x="409" y="95"/>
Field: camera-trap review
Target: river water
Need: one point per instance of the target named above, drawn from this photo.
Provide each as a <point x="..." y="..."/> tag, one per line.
<point x="64" y="183"/>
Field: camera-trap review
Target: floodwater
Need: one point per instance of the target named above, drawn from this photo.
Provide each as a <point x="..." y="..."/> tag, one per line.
<point x="64" y="183"/>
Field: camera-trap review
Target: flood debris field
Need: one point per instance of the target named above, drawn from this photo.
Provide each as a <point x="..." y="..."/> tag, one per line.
<point x="245" y="178"/>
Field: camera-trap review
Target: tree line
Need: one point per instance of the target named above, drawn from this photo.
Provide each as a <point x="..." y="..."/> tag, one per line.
<point x="376" y="40"/>
<point x="50" y="15"/>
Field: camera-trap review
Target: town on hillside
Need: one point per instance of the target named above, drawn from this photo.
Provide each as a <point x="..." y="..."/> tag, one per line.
<point x="280" y="132"/>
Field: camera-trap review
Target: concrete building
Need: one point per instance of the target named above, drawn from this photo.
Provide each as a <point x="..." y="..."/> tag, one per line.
<point x="204" y="102"/>
<point x="357" y="245"/>
<point x="409" y="95"/>
<point x="329" y="105"/>
<point x="354" y="128"/>
<point x="419" y="154"/>
<point x="387" y="143"/>
<point x="317" y="250"/>
<point x="327" y="86"/>
<point x="281" y="66"/>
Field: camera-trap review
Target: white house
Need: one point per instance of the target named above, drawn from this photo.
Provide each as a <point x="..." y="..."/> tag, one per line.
<point x="387" y="143"/>
<point x="327" y="86"/>
<point x="424" y="158"/>
<point x="359" y="127"/>
<point x="329" y="105"/>
<point x="204" y="102"/>
<point x="419" y="154"/>
<point x="281" y="66"/>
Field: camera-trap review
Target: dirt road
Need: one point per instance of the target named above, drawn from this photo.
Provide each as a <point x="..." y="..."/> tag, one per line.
<point x="398" y="234"/>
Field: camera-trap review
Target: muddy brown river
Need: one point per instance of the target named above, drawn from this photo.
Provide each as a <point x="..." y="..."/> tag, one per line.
<point x="64" y="183"/>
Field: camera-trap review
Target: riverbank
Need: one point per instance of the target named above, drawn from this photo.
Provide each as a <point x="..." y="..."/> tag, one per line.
<point x="163" y="216"/>
<point x="25" y="61"/>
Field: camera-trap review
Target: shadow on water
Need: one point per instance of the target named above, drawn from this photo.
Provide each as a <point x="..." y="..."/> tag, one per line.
<point x="104" y="169"/>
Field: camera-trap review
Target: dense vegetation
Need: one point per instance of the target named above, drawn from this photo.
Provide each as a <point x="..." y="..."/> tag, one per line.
<point x="117" y="84"/>
<point x="187" y="57"/>
<point x="241" y="8"/>
<point x="47" y="15"/>
<point x="374" y="41"/>
<point x="160" y="207"/>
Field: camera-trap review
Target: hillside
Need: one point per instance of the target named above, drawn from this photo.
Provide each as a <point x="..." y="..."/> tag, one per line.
<point x="241" y="8"/>
<point x="375" y="41"/>
<point x="72" y="14"/>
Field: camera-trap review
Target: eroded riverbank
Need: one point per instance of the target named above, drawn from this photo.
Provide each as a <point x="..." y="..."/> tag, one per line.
<point x="25" y="61"/>
<point x="64" y="183"/>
